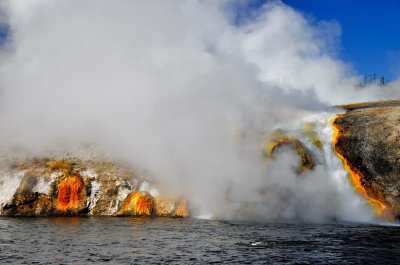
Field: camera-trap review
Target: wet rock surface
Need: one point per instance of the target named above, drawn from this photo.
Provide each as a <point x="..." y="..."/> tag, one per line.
<point x="369" y="140"/>
<point x="72" y="187"/>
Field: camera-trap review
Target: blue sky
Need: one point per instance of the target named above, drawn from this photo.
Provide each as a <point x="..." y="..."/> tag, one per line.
<point x="370" y="38"/>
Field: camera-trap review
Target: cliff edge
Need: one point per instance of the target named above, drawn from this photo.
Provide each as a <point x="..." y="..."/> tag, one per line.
<point x="368" y="140"/>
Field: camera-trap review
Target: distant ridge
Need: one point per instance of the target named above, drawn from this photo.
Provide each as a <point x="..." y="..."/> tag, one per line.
<point x="370" y="104"/>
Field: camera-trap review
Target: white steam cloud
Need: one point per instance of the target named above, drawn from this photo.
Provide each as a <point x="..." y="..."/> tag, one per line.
<point x="170" y="86"/>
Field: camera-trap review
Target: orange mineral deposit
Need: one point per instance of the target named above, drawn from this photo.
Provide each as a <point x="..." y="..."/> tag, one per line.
<point x="306" y="161"/>
<point x="69" y="193"/>
<point x="137" y="204"/>
<point x="181" y="210"/>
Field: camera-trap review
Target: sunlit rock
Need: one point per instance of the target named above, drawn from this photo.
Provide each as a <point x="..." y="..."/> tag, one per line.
<point x="72" y="187"/>
<point x="109" y="185"/>
<point x="163" y="207"/>
<point x="181" y="210"/>
<point x="137" y="203"/>
<point x="59" y="164"/>
<point x="27" y="203"/>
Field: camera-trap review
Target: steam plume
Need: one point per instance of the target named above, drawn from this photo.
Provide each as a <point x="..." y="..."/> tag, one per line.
<point x="170" y="87"/>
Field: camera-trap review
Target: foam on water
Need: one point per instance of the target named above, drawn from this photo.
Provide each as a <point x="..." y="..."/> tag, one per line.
<point x="204" y="217"/>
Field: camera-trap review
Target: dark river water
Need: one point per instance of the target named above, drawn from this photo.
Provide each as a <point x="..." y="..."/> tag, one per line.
<point x="112" y="240"/>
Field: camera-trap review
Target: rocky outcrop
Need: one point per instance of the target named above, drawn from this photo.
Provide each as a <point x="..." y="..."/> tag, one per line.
<point x="163" y="207"/>
<point x="368" y="140"/>
<point x="137" y="204"/>
<point x="181" y="210"/>
<point x="72" y="187"/>
<point x="71" y="195"/>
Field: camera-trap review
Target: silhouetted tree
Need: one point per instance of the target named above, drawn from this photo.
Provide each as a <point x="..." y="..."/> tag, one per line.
<point x="373" y="80"/>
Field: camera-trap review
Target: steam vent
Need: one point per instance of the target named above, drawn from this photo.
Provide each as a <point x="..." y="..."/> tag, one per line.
<point x="367" y="138"/>
<point x="44" y="187"/>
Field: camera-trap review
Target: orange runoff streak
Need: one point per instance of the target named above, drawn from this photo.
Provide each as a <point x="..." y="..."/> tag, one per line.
<point x="181" y="209"/>
<point x="378" y="206"/>
<point x="69" y="193"/>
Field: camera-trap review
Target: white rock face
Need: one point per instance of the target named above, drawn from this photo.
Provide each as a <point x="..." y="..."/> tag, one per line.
<point x="124" y="189"/>
<point x="94" y="195"/>
<point x="43" y="185"/>
<point x="8" y="185"/>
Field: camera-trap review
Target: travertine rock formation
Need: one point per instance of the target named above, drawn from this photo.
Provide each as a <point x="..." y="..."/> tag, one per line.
<point x="44" y="187"/>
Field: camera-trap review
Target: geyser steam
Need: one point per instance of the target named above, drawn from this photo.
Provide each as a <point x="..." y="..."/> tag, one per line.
<point x="181" y="91"/>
